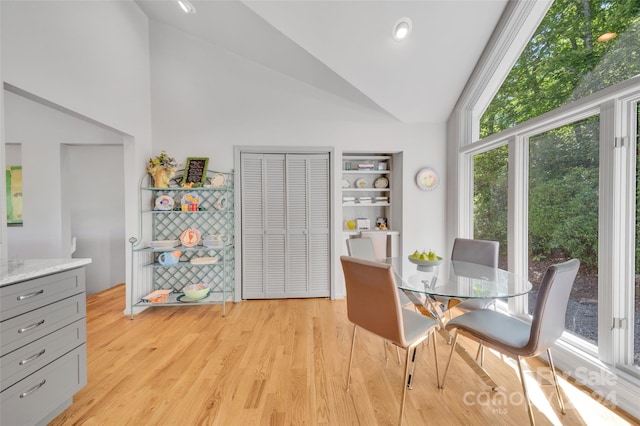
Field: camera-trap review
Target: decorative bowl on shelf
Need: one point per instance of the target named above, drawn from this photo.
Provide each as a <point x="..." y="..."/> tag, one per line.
<point x="196" y="291"/>
<point x="425" y="265"/>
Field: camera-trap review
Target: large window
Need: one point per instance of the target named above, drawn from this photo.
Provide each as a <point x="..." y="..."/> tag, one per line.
<point x="563" y="215"/>
<point x="568" y="116"/>
<point x="580" y="47"/>
<point x="490" y="198"/>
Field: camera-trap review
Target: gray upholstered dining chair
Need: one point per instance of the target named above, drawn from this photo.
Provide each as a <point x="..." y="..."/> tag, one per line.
<point x="373" y="304"/>
<point x="482" y="252"/>
<point x="379" y="240"/>
<point x="517" y="339"/>
<point x="361" y="247"/>
<point x="364" y="248"/>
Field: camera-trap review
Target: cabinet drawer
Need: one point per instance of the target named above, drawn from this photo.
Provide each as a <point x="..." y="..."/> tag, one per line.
<point x="20" y="363"/>
<point x="19" y="298"/>
<point x="33" y="398"/>
<point x="24" y="329"/>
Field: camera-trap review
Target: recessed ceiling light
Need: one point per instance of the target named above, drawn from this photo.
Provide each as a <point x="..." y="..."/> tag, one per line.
<point x="186" y="6"/>
<point x="607" y="36"/>
<point x="402" y="29"/>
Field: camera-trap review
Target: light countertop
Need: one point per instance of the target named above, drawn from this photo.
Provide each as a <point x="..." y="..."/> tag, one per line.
<point x="356" y="232"/>
<point x="13" y="271"/>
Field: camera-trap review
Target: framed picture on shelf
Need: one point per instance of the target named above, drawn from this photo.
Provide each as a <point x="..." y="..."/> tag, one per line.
<point x="195" y="171"/>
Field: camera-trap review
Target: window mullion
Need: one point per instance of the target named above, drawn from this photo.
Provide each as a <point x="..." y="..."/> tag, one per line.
<point x="623" y="290"/>
<point x="611" y="253"/>
<point x="518" y="215"/>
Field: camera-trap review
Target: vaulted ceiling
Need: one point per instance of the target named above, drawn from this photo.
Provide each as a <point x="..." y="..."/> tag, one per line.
<point x="347" y="48"/>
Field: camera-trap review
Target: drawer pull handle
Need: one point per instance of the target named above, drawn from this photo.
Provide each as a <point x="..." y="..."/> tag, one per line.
<point x="31" y="358"/>
<point x="29" y="327"/>
<point x="26" y="296"/>
<point x="33" y="389"/>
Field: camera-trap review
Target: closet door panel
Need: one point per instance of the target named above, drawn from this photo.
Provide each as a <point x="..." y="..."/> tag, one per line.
<point x="319" y="225"/>
<point x="319" y="275"/>
<point x="297" y="224"/>
<point x="297" y="193"/>
<point x="319" y="189"/>
<point x="275" y="195"/>
<point x="275" y="266"/>
<point x="298" y="269"/>
<point x="252" y="181"/>
<point x="253" y="267"/>
<point x="275" y="225"/>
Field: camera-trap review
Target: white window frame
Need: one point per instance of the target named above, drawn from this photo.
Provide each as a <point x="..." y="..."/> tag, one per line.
<point x="615" y="106"/>
<point x="616" y="211"/>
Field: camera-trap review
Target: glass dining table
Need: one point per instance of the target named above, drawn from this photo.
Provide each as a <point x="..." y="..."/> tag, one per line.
<point x="462" y="281"/>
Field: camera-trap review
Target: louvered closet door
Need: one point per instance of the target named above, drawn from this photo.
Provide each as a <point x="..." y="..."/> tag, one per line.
<point x="319" y="254"/>
<point x="275" y="220"/>
<point x="308" y="225"/>
<point x="252" y="217"/>
<point x="295" y="225"/>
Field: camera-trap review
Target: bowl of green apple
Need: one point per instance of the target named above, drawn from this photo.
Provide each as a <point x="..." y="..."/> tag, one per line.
<point x="425" y="260"/>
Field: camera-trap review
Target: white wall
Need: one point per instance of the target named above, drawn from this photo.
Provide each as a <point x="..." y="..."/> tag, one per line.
<point x="91" y="58"/>
<point x="40" y="131"/>
<point x="70" y="190"/>
<point x="96" y="211"/>
<point x="206" y="101"/>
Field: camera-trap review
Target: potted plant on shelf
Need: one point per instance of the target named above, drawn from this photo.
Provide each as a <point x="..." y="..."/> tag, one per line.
<point x="162" y="168"/>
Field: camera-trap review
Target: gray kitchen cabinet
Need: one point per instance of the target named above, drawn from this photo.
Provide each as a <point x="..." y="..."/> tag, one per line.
<point x="43" y="355"/>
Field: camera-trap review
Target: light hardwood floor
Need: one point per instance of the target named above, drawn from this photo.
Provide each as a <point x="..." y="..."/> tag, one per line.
<point x="283" y="362"/>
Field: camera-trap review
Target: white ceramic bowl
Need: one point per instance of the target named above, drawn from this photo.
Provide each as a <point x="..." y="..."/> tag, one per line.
<point x="425" y="265"/>
<point x="196" y="291"/>
<point x="213" y="243"/>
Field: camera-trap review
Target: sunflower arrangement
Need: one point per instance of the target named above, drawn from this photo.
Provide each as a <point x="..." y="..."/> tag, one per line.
<point x="162" y="168"/>
<point x="162" y="160"/>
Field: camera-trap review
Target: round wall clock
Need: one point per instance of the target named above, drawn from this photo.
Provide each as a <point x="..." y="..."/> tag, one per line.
<point x="427" y="179"/>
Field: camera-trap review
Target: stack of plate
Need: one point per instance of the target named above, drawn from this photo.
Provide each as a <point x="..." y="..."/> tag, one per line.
<point x="348" y="200"/>
<point x="382" y="199"/>
<point x="365" y="200"/>
<point x="163" y="244"/>
<point x="204" y="260"/>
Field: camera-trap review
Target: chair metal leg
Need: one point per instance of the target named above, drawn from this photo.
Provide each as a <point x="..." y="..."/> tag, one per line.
<point x="435" y="356"/>
<point x="480" y="354"/>
<point x="413" y="368"/>
<point x="526" y="394"/>
<point x="353" y="344"/>
<point x="446" y="369"/>
<point x="404" y="385"/>
<point x="384" y="347"/>
<point x="555" y="381"/>
<point x="398" y="353"/>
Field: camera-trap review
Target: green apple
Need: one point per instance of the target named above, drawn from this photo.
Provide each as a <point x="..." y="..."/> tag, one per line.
<point x="416" y="254"/>
<point x="432" y="255"/>
<point x="424" y="256"/>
